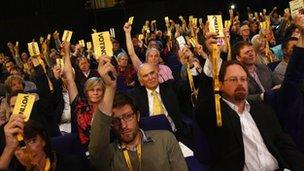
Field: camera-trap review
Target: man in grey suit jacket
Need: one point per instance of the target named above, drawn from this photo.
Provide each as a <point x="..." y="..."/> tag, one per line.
<point x="260" y="76"/>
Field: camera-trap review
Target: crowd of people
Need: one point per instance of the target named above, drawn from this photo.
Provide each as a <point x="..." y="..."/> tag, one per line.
<point x="101" y="99"/>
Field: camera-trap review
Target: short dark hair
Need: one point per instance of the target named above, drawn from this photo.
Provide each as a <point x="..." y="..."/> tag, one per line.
<point x="236" y="49"/>
<point x="121" y="99"/>
<point x="286" y="41"/>
<point x="13" y="94"/>
<point x="82" y="58"/>
<point x="32" y="129"/>
<point x="289" y="30"/>
<point x="224" y="67"/>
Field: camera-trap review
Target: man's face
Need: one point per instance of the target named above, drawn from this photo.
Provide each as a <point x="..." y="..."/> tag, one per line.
<point x="148" y="76"/>
<point x="125" y="123"/>
<point x="9" y="66"/>
<point x="84" y="65"/>
<point x="235" y="84"/>
<point x="116" y="46"/>
<point x="253" y="27"/>
<point x="24" y="57"/>
<point x="153" y="44"/>
<point x="16" y="85"/>
<point x="247" y="55"/>
<point x="185" y="55"/>
<point x="153" y="58"/>
<point x="135" y="41"/>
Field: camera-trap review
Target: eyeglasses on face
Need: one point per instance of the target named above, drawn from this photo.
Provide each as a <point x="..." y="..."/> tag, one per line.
<point x="126" y="118"/>
<point x="234" y="80"/>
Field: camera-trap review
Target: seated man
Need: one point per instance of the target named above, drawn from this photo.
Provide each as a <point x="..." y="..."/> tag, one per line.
<point x="152" y="57"/>
<point x="83" y="74"/>
<point x="290" y="108"/>
<point x="287" y="48"/>
<point x="260" y="78"/>
<point x="135" y="149"/>
<point x="250" y="137"/>
<point x="154" y="98"/>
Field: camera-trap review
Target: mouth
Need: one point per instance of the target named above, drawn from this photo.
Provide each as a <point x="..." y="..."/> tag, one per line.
<point x="125" y="132"/>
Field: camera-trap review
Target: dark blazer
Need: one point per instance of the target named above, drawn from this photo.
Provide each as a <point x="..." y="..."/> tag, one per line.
<point x="290" y="104"/>
<point x="226" y="142"/>
<point x="169" y="97"/>
<point x="266" y="79"/>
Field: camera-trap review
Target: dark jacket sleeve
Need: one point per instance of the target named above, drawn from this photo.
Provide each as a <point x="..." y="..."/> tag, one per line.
<point x="290" y="108"/>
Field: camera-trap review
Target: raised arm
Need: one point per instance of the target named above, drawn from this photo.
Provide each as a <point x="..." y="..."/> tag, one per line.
<point x="68" y="73"/>
<point x="11" y="129"/>
<point x="134" y="58"/>
<point x="101" y="151"/>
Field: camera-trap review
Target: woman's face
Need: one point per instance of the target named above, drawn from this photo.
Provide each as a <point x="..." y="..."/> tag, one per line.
<point x="262" y="48"/>
<point x="153" y="58"/>
<point x="123" y="61"/>
<point x="35" y="148"/>
<point x="95" y="94"/>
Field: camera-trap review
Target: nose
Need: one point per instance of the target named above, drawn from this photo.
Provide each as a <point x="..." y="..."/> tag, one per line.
<point x="123" y="124"/>
<point x="150" y="76"/>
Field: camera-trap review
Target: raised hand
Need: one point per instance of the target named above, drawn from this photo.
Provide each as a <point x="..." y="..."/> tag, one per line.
<point x="11" y="129"/>
<point x="127" y="28"/>
<point x="57" y="70"/>
<point x="105" y="69"/>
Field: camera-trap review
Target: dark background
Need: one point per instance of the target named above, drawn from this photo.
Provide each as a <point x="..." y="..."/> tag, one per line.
<point x="25" y="20"/>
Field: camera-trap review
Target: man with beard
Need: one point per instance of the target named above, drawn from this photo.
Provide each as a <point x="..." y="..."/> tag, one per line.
<point x="134" y="148"/>
<point x="250" y="137"/>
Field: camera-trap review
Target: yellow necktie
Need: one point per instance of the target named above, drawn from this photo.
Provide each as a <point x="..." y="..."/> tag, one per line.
<point x="157" y="106"/>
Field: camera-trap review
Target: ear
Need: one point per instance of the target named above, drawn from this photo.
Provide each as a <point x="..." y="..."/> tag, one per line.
<point x="238" y="57"/>
<point x="221" y="86"/>
<point x="140" y="81"/>
<point x="138" y="116"/>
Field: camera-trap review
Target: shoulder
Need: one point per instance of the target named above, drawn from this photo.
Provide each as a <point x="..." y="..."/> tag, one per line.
<point x="94" y="72"/>
<point x="66" y="162"/>
<point x="137" y="91"/>
<point x="160" y="134"/>
<point x="260" y="107"/>
<point x="262" y="67"/>
<point x="164" y="67"/>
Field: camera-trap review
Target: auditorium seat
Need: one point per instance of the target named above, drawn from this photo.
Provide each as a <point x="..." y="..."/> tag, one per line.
<point x="160" y="122"/>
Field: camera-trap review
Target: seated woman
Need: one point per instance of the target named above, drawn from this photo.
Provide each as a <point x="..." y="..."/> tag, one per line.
<point x="264" y="55"/>
<point x="125" y="70"/>
<point x="82" y="109"/>
<point x="37" y="153"/>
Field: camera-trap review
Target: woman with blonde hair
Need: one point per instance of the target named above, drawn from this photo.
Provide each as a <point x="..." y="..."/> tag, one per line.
<point x="264" y="54"/>
<point x="82" y="109"/>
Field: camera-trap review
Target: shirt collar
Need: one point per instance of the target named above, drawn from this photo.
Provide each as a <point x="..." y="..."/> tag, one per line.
<point x="150" y="91"/>
<point x="235" y="108"/>
<point x="145" y="139"/>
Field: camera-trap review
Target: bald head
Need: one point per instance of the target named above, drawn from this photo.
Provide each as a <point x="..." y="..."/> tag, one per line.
<point x="148" y="75"/>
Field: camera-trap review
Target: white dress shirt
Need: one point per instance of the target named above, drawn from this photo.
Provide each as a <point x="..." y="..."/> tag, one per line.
<point x="257" y="156"/>
<point x="86" y="74"/>
<point x="150" y="102"/>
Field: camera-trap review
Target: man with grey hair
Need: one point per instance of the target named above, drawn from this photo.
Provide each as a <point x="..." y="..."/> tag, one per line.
<point x="152" y="57"/>
<point x="154" y="98"/>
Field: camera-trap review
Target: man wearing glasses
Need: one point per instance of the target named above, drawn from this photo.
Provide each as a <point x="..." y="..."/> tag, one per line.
<point x="134" y="149"/>
<point x="260" y="78"/>
<point x="250" y="137"/>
